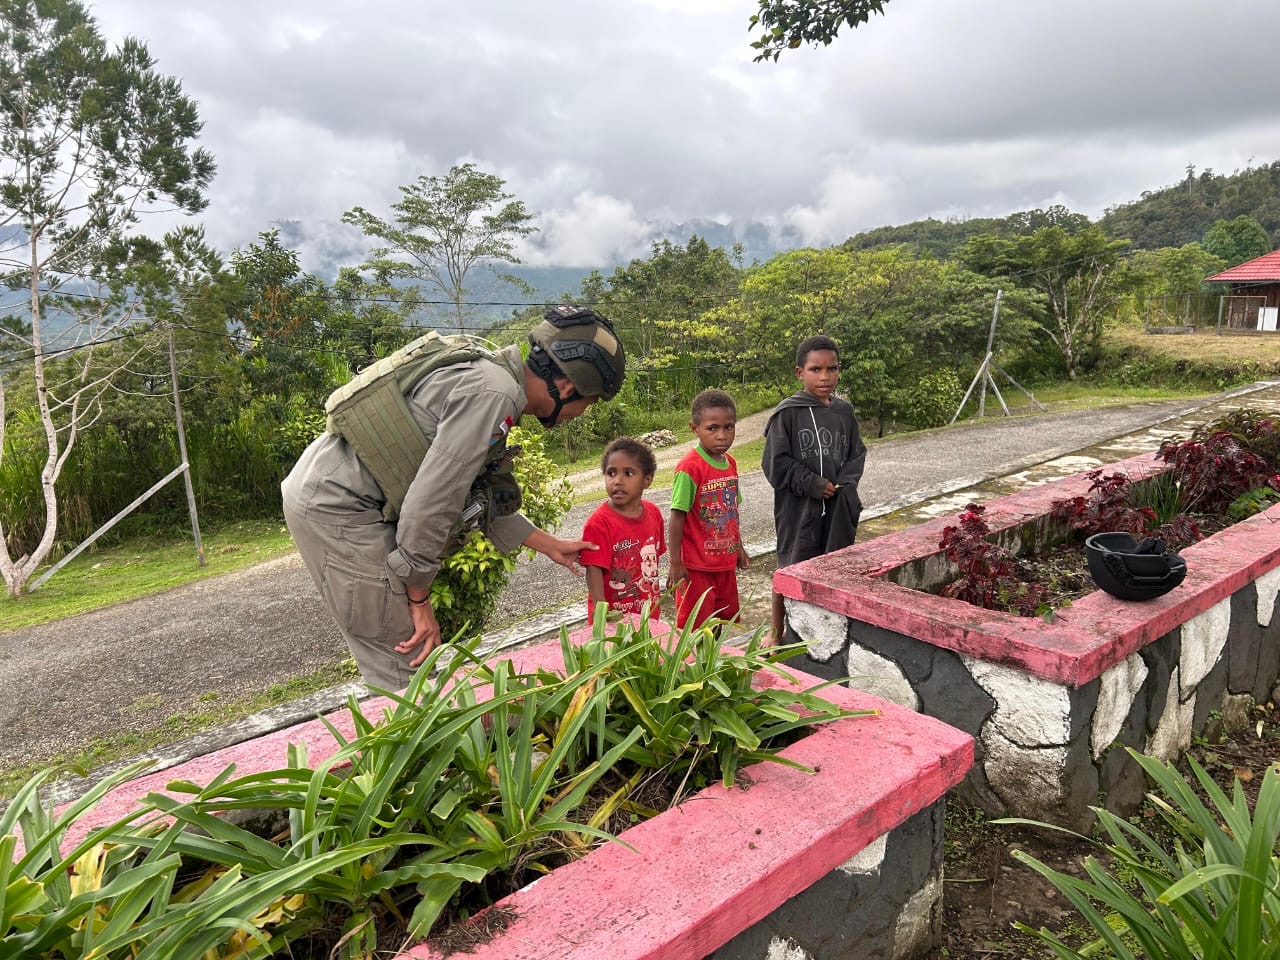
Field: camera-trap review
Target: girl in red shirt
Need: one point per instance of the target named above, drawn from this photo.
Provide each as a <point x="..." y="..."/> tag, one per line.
<point x="623" y="569"/>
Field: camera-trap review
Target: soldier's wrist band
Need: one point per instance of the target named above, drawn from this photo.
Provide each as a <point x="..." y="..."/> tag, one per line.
<point x="419" y="603"/>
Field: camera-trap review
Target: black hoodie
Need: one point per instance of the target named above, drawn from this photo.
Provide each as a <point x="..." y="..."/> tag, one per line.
<point x="808" y="444"/>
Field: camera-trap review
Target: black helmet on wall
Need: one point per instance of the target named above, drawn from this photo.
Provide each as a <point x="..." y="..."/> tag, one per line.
<point x="1132" y="570"/>
<point x="583" y="347"/>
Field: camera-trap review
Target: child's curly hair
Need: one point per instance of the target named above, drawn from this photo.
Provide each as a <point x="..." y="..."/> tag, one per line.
<point x="712" y="400"/>
<point x="637" y="450"/>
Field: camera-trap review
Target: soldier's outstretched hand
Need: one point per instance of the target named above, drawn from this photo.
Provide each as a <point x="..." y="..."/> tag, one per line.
<point x="563" y="552"/>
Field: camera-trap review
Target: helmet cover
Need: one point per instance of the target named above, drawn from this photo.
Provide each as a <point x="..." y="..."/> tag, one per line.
<point x="584" y="347"/>
<point x="1132" y="570"/>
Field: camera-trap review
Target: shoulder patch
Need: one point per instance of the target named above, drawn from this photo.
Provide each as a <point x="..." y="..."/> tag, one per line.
<point x="503" y="429"/>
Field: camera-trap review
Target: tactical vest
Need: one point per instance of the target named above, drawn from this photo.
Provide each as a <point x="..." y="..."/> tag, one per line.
<point x="372" y="414"/>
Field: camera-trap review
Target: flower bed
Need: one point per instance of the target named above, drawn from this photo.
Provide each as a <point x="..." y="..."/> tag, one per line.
<point x="1048" y="702"/>
<point x="730" y="872"/>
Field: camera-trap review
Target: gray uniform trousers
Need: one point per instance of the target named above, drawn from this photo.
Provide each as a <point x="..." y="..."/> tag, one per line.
<point x="348" y="564"/>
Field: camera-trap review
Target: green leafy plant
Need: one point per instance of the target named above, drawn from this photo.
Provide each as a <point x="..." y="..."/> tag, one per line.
<point x="474" y="780"/>
<point x="466" y="590"/>
<point x="1213" y="891"/>
<point x="931" y="400"/>
<point x="701" y="716"/>
<point x="1252" y="502"/>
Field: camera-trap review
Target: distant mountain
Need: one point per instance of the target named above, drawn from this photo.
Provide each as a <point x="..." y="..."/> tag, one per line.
<point x="1181" y="213"/>
<point x="1166" y="217"/>
<point x="759" y="241"/>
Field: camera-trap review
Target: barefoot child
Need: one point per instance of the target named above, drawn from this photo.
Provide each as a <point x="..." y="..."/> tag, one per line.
<point x="706" y="546"/>
<point x="623" y="570"/>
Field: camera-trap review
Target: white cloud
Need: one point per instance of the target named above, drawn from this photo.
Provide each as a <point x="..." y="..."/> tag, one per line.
<point x="847" y="200"/>
<point x="593" y="231"/>
<point x="608" y="117"/>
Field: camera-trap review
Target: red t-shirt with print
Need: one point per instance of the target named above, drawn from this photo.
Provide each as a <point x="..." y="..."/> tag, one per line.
<point x="707" y="491"/>
<point x="627" y="549"/>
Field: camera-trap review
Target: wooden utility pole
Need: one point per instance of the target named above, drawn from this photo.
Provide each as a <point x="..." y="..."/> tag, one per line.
<point x="984" y="377"/>
<point x="182" y="450"/>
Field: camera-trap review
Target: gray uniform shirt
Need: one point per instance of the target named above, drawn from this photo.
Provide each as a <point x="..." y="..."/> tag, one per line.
<point x="466" y="407"/>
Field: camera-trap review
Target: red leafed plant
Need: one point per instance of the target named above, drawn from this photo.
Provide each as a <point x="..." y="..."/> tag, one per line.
<point x="1212" y="471"/>
<point x="1228" y="469"/>
<point x="1107" y="507"/>
<point x="988" y="577"/>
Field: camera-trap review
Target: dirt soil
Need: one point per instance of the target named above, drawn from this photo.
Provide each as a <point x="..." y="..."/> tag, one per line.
<point x="986" y="891"/>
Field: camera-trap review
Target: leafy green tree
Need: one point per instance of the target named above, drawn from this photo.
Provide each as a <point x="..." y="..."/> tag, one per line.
<point x="91" y="138"/>
<point x="649" y="299"/>
<point x="786" y="24"/>
<point x="1167" y="285"/>
<point x="897" y="317"/>
<point x="283" y="312"/>
<point x="944" y="239"/>
<point x="1075" y="273"/>
<point x="442" y="228"/>
<point x="1236" y="241"/>
<point x="369" y="318"/>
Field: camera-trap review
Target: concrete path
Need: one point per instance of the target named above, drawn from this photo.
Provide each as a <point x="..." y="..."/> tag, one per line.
<point x="132" y="666"/>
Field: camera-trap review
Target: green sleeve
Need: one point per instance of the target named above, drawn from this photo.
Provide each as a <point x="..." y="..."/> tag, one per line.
<point x="683" y="491"/>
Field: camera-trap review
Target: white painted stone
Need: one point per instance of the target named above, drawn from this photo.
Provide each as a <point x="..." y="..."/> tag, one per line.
<point x="1268" y="585"/>
<point x="787" y="949"/>
<point x="823" y="631"/>
<point x="1117" y="689"/>
<point x="919" y="921"/>
<point x="1173" y="734"/>
<point x="1029" y="781"/>
<point x="867" y="860"/>
<point x="879" y="677"/>
<point x="1204" y="637"/>
<point x="1029" y="710"/>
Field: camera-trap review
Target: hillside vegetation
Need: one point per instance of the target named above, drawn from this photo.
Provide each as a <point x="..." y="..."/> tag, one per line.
<point x="1168" y="216"/>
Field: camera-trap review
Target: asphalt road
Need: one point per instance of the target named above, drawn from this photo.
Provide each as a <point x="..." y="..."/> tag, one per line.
<point x="131" y="666"/>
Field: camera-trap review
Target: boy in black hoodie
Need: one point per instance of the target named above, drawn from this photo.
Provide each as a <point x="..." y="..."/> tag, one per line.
<point x="813" y="459"/>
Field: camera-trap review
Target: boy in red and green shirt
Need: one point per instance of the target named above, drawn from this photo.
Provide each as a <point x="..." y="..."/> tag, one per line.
<point x="705" y="544"/>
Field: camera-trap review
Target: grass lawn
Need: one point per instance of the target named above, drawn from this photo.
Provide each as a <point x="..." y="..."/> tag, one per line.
<point x="139" y="568"/>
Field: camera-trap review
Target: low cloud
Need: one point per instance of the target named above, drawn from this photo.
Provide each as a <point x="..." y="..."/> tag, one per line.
<point x="593" y="231"/>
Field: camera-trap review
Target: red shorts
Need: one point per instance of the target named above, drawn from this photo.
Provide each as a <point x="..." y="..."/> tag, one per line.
<point x="718" y="590"/>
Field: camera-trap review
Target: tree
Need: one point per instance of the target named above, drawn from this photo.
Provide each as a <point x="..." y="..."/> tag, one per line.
<point x="898" y="318"/>
<point x="1236" y="241"/>
<point x="648" y="299"/>
<point x="445" y="226"/>
<point x="786" y="24"/>
<point x="1168" y="284"/>
<point x="283" y="313"/>
<point x="91" y="138"/>
<point x="1075" y="273"/>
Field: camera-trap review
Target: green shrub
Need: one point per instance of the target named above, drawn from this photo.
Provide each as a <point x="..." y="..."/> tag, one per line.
<point x="466" y="590"/>
<point x="930" y="401"/>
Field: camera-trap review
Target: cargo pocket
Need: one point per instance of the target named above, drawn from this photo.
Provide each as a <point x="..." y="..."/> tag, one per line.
<point x="359" y="598"/>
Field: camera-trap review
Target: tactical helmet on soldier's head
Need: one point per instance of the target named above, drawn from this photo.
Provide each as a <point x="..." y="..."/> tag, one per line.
<point x="583" y="347"/>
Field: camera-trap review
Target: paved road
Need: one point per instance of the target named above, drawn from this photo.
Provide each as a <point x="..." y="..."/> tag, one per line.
<point x="131" y="666"/>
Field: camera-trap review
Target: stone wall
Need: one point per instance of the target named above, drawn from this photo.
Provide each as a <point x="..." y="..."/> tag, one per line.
<point x="1051" y="705"/>
<point x="884" y="903"/>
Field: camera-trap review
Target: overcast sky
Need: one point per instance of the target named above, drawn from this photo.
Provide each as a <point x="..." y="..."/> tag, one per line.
<point x="608" y="116"/>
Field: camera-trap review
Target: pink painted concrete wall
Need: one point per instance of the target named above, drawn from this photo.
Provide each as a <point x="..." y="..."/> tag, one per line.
<point x="704" y="871"/>
<point x="1095" y="633"/>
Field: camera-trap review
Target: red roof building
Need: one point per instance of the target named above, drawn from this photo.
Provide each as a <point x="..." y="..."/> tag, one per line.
<point x="1254" y="301"/>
